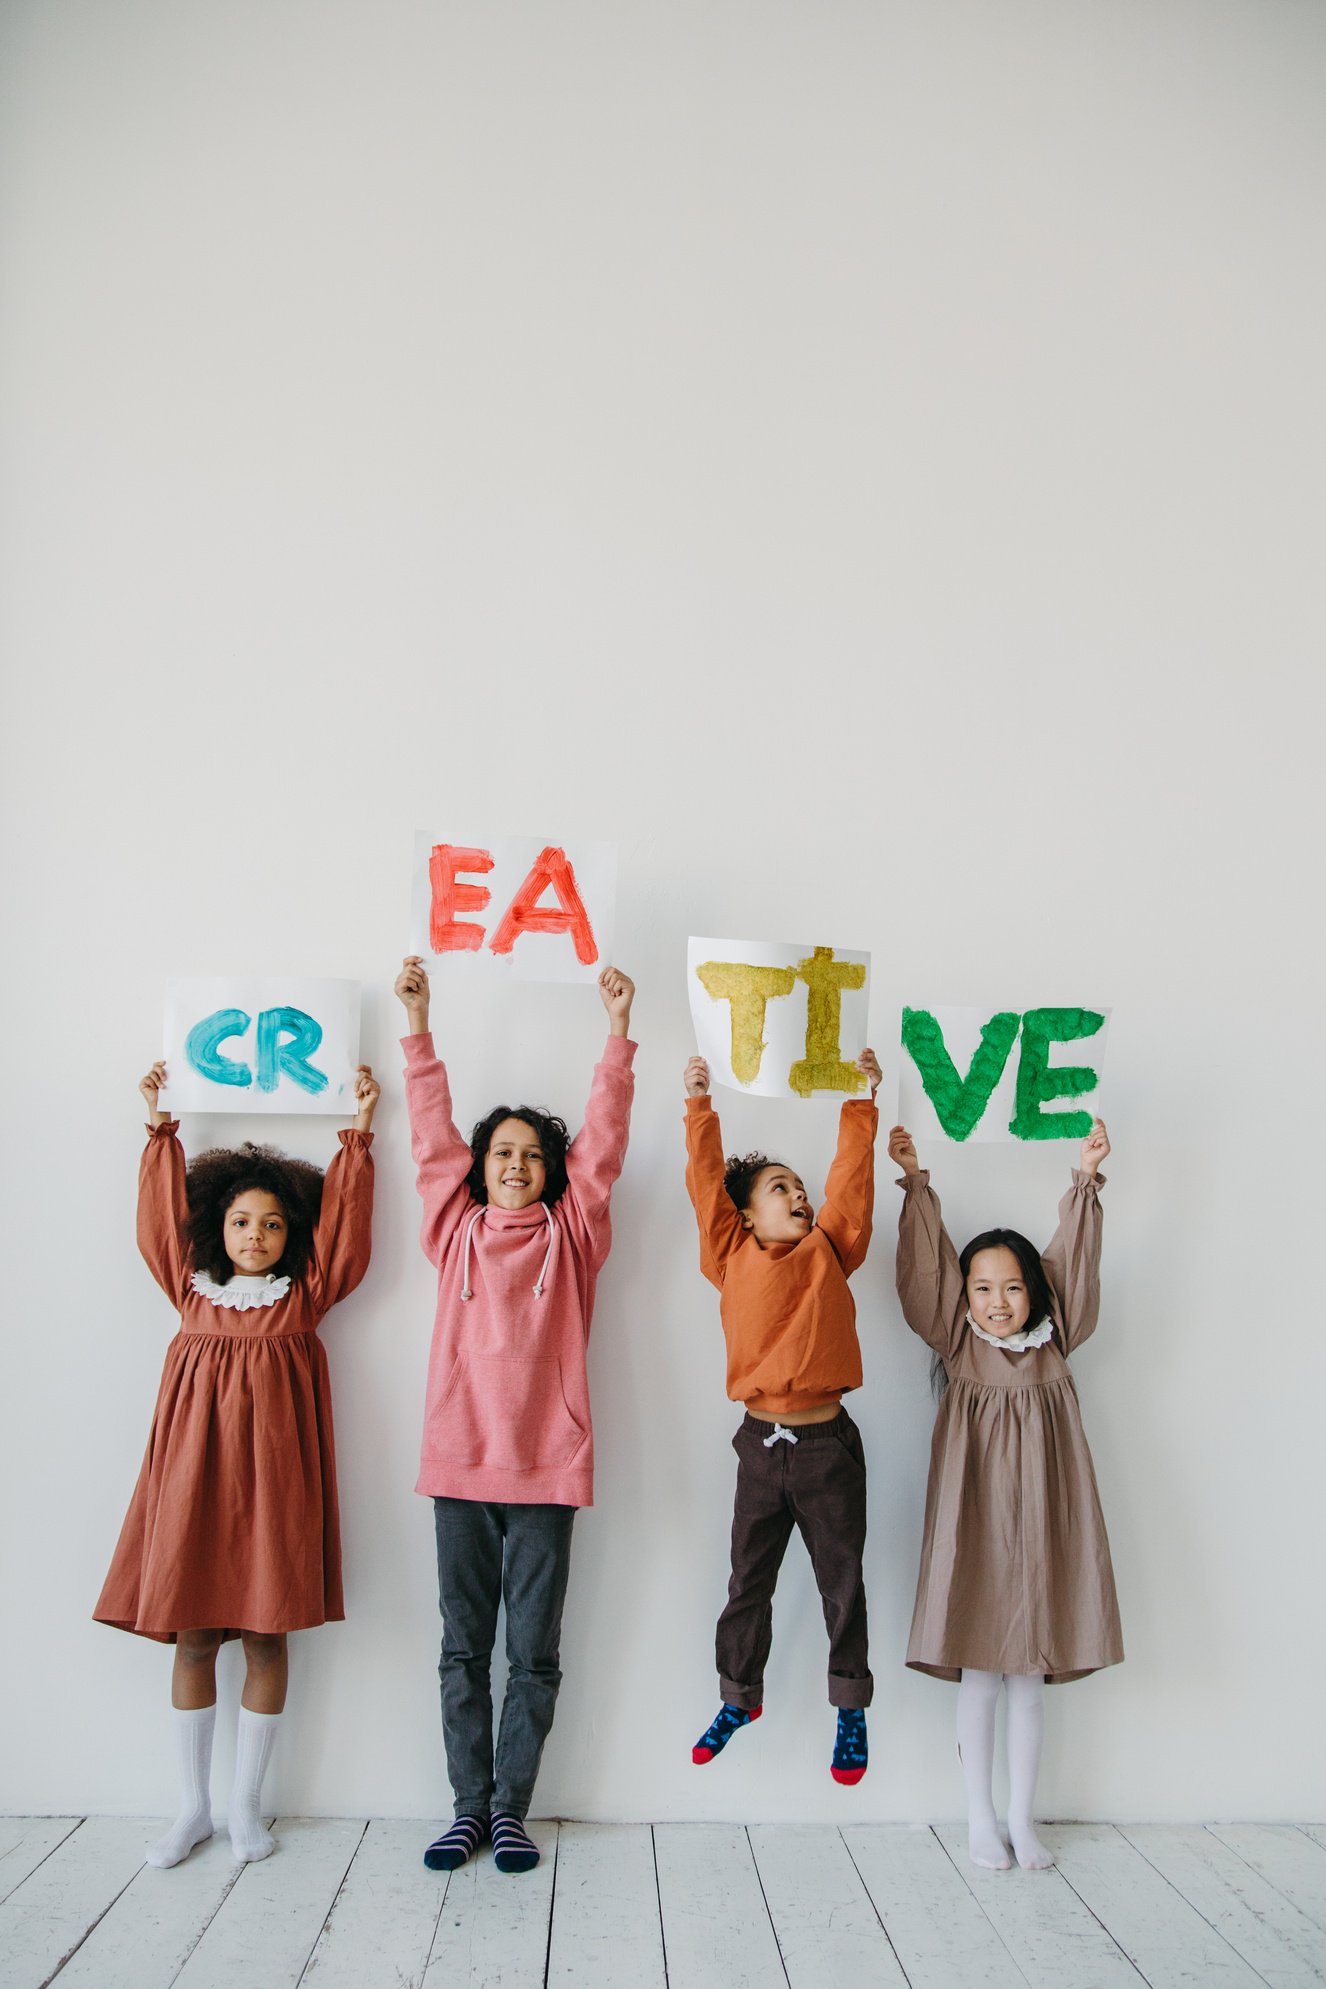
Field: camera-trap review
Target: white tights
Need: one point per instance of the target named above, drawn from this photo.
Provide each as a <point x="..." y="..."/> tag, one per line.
<point x="977" y="1698"/>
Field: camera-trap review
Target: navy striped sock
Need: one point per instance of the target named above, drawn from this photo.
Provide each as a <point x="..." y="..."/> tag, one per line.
<point x="456" y="1846"/>
<point x="849" y="1749"/>
<point x="514" y="1850"/>
<point x="715" y="1738"/>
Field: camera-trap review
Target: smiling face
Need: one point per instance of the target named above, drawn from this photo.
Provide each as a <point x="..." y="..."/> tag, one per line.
<point x="778" y="1210"/>
<point x="255" y="1232"/>
<point x="997" y="1295"/>
<point x="515" y="1172"/>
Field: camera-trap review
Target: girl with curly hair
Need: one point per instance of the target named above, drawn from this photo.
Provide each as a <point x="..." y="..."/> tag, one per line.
<point x="516" y="1222"/>
<point x="232" y="1530"/>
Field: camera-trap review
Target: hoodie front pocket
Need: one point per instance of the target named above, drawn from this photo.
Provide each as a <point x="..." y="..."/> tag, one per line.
<point x="506" y="1411"/>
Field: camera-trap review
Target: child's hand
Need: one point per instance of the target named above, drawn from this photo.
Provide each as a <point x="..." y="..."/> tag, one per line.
<point x="617" y="992"/>
<point x="412" y="989"/>
<point x="149" y="1087"/>
<point x="868" y="1065"/>
<point x="1094" y="1147"/>
<point x="696" y="1078"/>
<point x="367" y="1093"/>
<point x="902" y="1150"/>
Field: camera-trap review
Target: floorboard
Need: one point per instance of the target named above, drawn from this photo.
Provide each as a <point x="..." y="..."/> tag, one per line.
<point x="25" y="1841"/>
<point x="1051" y="1935"/>
<point x="1287" y="1858"/>
<point x="716" y="1926"/>
<point x="939" y="1933"/>
<point x="157" y="1922"/>
<point x="1163" y="1934"/>
<point x="493" y="1929"/>
<point x="45" y="1919"/>
<point x="605" y="1919"/>
<point x="382" y="1923"/>
<point x="1287" y="1950"/>
<point x="275" y="1911"/>
<point x="828" y="1933"/>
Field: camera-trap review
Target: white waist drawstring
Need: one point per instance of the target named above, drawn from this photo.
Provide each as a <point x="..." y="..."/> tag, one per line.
<point x="779" y="1431"/>
<point x="465" y="1291"/>
<point x="470" y="1226"/>
<point x="547" y="1255"/>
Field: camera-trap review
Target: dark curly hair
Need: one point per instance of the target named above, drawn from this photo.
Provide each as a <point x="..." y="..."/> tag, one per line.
<point x="740" y="1171"/>
<point x="553" y="1138"/>
<point x="217" y="1177"/>
<point x="1039" y="1296"/>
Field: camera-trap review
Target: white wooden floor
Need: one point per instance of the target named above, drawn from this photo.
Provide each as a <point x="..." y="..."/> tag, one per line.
<point x="348" y="1905"/>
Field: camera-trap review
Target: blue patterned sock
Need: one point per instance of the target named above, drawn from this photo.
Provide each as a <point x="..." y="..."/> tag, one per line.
<point x="849" y="1749"/>
<point x="716" y="1737"/>
<point x="456" y="1846"/>
<point x="514" y="1850"/>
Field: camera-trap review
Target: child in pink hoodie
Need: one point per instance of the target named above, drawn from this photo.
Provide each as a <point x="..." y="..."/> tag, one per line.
<point x="516" y="1221"/>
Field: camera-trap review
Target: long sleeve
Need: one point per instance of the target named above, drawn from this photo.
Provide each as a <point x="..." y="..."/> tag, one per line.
<point x="595" y="1156"/>
<point x="1072" y="1260"/>
<point x="930" y="1283"/>
<point x="163" y="1209"/>
<point x="721" y="1229"/>
<point x="343" y="1237"/>
<point x="849" y="1194"/>
<point x="441" y="1155"/>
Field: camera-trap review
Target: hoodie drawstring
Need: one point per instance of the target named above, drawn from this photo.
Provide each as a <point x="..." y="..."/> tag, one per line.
<point x="470" y="1226"/>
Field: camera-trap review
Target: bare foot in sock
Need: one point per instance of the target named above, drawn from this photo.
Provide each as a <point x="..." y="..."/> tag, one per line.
<point x="986" y="1848"/>
<point x="1030" y="1853"/>
<point x="249" y="1840"/>
<point x="184" y="1835"/>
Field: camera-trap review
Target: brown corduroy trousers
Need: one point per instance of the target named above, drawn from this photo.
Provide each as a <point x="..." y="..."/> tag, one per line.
<point x="817" y="1484"/>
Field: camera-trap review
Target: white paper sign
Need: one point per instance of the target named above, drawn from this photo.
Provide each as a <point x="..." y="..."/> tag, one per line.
<point x="780" y="1021"/>
<point x="515" y="905"/>
<point x="1001" y="1075"/>
<point x="274" y="1044"/>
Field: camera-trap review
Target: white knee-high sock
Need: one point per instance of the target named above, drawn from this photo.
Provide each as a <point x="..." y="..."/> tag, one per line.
<point x="253" y="1748"/>
<point x="1026" y="1727"/>
<point x="193" y="1730"/>
<point x="978" y="1695"/>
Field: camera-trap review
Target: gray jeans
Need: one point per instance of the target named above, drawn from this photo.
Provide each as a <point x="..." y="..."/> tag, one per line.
<point x="520" y="1556"/>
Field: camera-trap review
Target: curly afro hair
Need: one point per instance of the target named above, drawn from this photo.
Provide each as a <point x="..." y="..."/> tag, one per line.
<point x="740" y="1171"/>
<point x="214" y="1180"/>
<point x="553" y="1138"/>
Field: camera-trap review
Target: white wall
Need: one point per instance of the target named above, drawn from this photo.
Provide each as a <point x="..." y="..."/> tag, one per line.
<point x="867" y="460"/>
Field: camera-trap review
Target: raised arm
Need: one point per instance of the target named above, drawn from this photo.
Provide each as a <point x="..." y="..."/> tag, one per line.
<point x="343" y="1237"/>
<point x="849" y="1193"/>
<point x="1072" y="1260"/>
<point x="441" y="1155"/>
<point x="719" y="1220"/>
<point x="595" y="1156"/>
<point x="163" y="1208"/>
<point x="930" y="1283"/>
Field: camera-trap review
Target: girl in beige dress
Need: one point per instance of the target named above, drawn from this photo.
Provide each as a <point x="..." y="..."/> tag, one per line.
<point x="1015" y="1585"/>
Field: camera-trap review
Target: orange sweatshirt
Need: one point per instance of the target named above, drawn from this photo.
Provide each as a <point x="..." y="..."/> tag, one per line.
<point x="788" y="1317"/>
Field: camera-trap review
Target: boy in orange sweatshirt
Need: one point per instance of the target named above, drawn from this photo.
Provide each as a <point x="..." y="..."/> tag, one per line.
<point x="792" y="1353"/>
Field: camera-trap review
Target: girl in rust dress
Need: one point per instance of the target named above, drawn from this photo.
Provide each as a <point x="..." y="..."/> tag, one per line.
<point x="233" y="1529"/>
<point x="1015" y="1586"/>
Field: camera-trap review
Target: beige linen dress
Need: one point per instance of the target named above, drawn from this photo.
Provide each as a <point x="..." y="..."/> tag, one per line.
<point x="1015" y="1564"/>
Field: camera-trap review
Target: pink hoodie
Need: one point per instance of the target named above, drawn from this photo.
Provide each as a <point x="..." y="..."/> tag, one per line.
<point x="507" y="1417"/>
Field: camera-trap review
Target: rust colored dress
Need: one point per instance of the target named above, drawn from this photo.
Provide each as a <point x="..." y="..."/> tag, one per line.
<point x="1015" y="1564"/>
<point x="233" y="1524"/>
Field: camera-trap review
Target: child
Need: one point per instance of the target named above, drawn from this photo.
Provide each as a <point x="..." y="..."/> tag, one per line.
<point x="1015" y="1583"/>
<point x="516" y="1221"/>
<point x="792" y="1354"/>
<point x="233" y="1530"/>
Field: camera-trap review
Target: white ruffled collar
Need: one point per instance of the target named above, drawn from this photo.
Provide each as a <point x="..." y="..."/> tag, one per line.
<point x="242" y="1294"/>
<point x="1016" y="1343"/>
